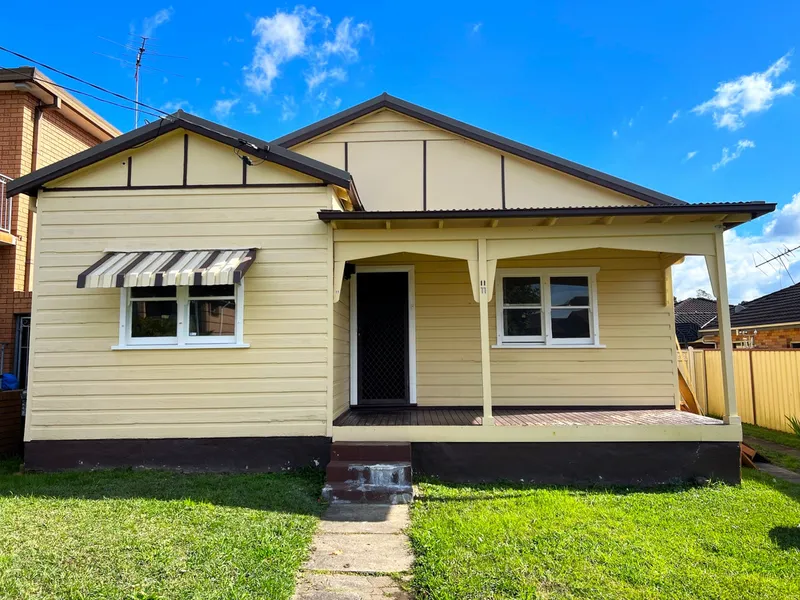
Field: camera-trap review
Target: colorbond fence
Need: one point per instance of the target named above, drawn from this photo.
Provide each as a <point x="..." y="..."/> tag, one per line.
<point x="767" y="384"/>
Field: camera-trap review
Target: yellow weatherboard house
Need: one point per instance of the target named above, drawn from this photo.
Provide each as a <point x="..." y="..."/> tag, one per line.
<point x="386" y="276"/>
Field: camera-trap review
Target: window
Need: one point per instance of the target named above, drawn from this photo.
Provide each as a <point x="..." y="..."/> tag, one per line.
<point x="546" y="308"/>
<point x="181" y="316"/>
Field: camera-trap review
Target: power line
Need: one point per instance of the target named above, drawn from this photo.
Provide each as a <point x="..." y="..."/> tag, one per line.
<point x="75" y="91"/>
<point x="83" y="81"/>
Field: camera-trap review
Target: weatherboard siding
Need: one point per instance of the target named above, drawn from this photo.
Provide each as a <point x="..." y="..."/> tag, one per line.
<point x="81" y="389"/>
<point x="341" y="353"/>
<point x="637" y="367"/>
<point x="400" y="163"/>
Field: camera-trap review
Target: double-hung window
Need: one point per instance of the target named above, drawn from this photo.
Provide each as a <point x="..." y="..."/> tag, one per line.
<point x="182" y="316"/>
<point x="547" y="307"/>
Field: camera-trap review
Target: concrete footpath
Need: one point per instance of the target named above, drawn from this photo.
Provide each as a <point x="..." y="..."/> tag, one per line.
<point x="359" y="552"/>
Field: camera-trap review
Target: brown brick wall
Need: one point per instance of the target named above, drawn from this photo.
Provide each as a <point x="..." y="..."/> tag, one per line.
<point x="774" y="338"/>
<point x="58" y="139"/>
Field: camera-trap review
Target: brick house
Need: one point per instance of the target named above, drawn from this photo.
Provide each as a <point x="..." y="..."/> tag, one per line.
<point x="39" y="124"/>
<point x="770" y="322"/>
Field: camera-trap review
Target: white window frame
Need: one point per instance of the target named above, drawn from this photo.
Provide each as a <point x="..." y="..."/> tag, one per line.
<point x="546" y="340"/>
<point x="183" y="339"/>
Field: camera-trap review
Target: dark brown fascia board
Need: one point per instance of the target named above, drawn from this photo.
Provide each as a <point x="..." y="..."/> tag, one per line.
<point x="8" y="75"/>
<point x="29" y="184"/>
<point x="755" y="209"/>
<point x="482" y="136"/>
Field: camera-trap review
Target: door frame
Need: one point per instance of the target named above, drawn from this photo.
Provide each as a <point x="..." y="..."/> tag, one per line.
<point x="412" y="328"/>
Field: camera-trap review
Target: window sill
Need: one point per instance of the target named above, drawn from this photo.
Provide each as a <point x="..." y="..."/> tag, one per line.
<point x="184" y="347"/>
<point x="548" y="347"/>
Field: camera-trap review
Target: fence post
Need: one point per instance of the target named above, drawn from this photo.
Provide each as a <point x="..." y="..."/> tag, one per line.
<point x="753" y="389"/>
<point x="705" y="376"/>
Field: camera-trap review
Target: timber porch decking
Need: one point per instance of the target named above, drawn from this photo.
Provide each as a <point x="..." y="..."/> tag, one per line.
<point x="519" y="417"/>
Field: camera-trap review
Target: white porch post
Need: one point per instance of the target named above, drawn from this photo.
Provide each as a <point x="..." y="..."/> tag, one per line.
<point x="483" y="301"/>
<point x="719" y="280"/>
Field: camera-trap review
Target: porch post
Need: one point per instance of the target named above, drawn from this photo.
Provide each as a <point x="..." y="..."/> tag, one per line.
<point x="483" y="301"/>
<point x="731" y="415"/>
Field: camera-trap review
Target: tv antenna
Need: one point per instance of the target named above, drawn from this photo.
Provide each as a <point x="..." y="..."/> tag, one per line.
<point x="780" y="257"/>
<point x="134" y="59"/>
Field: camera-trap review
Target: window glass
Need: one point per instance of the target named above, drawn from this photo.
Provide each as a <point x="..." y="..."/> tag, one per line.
<point x="167" y="291"/>
<point x="570" y="322"/>
<point x="212" y="317"/>
<point x="522" y="321"/>
<point x="211" y="291"/>
<point x="569" y="291"/>
<point x="154" y="318"/>
<point x="522" y="290"/>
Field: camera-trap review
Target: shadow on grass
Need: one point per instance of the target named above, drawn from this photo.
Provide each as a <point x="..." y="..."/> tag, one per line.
<point x="786" y="538"/>
<point x="295" y="492"/>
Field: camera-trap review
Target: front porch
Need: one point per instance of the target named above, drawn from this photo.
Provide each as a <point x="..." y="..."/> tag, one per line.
<point x="529" y="424"/>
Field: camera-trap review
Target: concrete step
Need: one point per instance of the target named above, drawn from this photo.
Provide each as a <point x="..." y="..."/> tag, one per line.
<point x="366" y="493"/>
<point x="371" y="452"/>
<point x="377" y="473"/>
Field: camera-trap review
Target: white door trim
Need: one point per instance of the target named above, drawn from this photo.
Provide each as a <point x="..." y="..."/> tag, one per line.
<point x="412" y="328"/>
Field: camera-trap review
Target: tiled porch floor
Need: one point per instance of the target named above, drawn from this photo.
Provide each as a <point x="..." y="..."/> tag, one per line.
<point x="523" y="416"/>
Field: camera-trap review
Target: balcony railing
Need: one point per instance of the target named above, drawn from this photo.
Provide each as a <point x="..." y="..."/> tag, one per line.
<point x="5" y="205"/>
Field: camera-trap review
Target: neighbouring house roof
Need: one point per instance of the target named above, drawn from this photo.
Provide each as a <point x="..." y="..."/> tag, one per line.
<point x="29" y="184"/>
<point x="728" y="209"/>
<point x="776" y="308"/>
<point x="168" y="267"/>
<point x="42" y="87"/>
<point x="503" y="144"/>
<point x="690" y="315"/>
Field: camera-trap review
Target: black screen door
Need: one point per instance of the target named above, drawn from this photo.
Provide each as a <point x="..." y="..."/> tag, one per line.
<point x="382" y="307"/>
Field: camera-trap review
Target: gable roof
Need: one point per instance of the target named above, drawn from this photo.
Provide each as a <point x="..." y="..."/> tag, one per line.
<point x="695" y="310"/>
<point x="782" y="306"/>
<point x="274" y="153"/>
<point x="503" y="144"/>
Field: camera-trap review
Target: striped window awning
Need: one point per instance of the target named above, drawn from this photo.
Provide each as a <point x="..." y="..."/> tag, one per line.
<point x="167" y="267"/>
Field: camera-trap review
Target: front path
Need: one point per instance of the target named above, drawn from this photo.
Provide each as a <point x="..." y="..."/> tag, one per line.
<point x="360" y="551"/>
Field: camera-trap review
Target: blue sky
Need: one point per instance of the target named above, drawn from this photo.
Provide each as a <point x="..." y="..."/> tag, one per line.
<point x="653" y="94"/>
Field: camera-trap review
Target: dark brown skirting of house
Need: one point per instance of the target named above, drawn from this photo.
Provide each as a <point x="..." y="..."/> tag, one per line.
<point x="639" y="464"/>
<point x="227" y="455"/>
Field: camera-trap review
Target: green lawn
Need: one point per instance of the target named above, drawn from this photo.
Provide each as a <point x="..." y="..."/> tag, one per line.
<point x="716" y="542"/>
<point x="154" y="535"/>
<point x="783" y="459"/>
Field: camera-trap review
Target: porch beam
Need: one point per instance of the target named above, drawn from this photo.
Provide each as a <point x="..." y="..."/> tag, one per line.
<point x="338" y="279"/>
<point x="701" y="244"/>
<point x="486" y="370"/>
<point x="731" y="412"/>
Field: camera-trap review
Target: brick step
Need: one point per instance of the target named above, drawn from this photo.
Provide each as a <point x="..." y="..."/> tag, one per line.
<point x="376" y="473"/>
<point x="371" y="452"/>
<point x="343" y="493"/>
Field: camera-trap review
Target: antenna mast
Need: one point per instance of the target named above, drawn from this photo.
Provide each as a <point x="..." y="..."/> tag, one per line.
<point x="138" y="64"/>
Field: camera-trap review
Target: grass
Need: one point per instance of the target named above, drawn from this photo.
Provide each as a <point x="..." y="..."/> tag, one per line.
<point x="716" y="542"/>
<point x="779" y="437"/>
<point x="151" y="535"/>
<point x="783" y="459"/>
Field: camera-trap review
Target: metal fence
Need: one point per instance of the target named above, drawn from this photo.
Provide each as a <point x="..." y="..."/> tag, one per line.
<point x="5" y="205"/>
<point x="767" y="384"/>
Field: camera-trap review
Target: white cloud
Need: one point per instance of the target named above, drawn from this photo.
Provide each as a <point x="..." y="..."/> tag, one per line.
<point x="630" y="122"/>
<point x="728" y="156"/>
<point x="742" y="252"/>
<point x="747" y="94"/>
<point x="175" y="105"/>
<point x="319" y="76"/>
<point x="223" y="108"/>
<point x="288" y="108"/>
<point x="674" y="116"/>
<point x="346" y="39"/>
<point x="150" y="24"/>
<point x="614" y="133"/>
<point x="303" y="34"/>
<point x="252" y="109"/>
<point x="690" y="155"/>
<point x="476" y="27"/>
